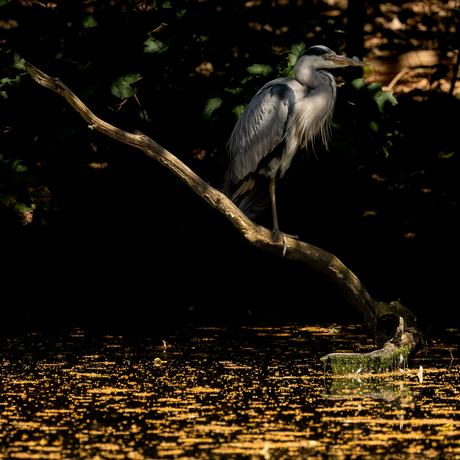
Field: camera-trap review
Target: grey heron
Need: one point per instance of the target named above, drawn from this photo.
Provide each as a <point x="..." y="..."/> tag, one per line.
<point x="285" y="115"/>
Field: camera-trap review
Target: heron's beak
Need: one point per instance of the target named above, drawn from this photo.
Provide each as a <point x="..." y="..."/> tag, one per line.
<point x="344" y="61"/>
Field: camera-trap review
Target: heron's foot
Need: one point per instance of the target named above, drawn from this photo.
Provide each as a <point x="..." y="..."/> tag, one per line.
<point x="277" y="232"/>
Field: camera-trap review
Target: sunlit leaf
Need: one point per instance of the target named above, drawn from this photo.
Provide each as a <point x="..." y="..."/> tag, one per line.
<point x="179" y="15"/>
<point x="122" y="86"/>
<point x="153" y="45"/>
<point x="238" y="110"/>
<point x="260" y="69"/>
<point x="18" y="62"/>
<point x="381" y="97"/>
<point x="358" y="83"/>
<point x="233" y="90"/>
<point x="445" y="155"/>
<point x="298" y="49"/>
<point x="21" y="207"/>
<point x="211" y="105"/>
<point x="374" y="126"/>
<point x="89" y="21"/>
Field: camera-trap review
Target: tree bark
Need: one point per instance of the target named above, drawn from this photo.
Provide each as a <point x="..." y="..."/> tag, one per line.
<point x="375" y="314"/>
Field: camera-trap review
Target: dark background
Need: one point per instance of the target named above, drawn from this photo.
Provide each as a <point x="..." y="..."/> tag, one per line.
<point x="130" y="246"/>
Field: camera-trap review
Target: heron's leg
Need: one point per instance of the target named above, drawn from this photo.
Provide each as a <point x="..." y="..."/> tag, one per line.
<point x="272" y="186"/>
<point x="276" y="230"/>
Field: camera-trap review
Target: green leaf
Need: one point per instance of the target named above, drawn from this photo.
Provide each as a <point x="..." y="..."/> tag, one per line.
<point x="238" y="110"/>
<point x="260" y="69"/>
<point x="381" y="97"/>
<point x="17" y="167"/>
<point x="153" y="45"/>
<point x="89" y="21"/>
<point x="22" y="207"/>
<point x="6" y="80"/>
<point x="211" y="105"/>
<point x="143" y="114"/>
<point x="358" y="83"/>
<point x="374" y="126"/>
<point x="122" y="86"/>
<point x="298" y="50"/>
<point x="179" y="15"/>
<point x="233" y="90"/>
<point x="7" y="200"/>
<point x="18" y="63"/>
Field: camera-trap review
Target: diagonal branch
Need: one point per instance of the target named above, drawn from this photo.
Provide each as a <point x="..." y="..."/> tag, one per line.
<point x="371" y="311"/>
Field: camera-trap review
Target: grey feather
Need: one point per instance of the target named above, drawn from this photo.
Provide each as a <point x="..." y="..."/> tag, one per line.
<point x="260" y="128"/>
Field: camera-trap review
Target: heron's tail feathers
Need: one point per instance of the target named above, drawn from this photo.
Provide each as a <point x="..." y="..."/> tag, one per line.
<point x="251" y="195"/>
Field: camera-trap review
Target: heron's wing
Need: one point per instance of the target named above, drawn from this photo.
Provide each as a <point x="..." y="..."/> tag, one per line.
<point x="261" y="127"/>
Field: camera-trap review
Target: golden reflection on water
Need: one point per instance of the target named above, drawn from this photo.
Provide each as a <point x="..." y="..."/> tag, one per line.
<point x="215" y="393"/>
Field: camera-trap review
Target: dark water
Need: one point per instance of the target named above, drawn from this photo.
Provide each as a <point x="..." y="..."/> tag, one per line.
<point x="254" y="393"/>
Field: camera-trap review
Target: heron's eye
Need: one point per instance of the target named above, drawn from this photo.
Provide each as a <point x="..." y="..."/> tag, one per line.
<point x="324" y="56"/>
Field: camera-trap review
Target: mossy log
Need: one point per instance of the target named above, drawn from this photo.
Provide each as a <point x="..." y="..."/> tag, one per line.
<point x="380" y="320"/>
<point x="394" y="355"/>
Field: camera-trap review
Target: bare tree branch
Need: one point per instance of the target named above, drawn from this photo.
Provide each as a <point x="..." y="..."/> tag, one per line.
<point x="371" y="311"/>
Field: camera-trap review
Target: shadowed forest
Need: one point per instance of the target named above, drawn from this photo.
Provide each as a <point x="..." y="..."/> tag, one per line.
<point x="95" y="233"/>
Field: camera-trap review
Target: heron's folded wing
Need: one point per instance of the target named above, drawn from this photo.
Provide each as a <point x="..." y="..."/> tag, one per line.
<point x="261" y="127"/>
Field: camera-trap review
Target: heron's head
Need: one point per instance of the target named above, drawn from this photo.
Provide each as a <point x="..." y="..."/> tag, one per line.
<point x="321" y="57"/>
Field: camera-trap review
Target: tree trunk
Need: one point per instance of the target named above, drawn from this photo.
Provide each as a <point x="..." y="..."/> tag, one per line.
<point x="380" y="319"/>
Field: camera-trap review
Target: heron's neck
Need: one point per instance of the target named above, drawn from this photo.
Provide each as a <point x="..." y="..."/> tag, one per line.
<point x="314" y="111"/>
<point x="314" y="78"/>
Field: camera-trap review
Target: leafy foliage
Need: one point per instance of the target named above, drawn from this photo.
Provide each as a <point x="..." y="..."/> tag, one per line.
<point x="184" y="70"/>
<point x="17" y="64"/>
<point x="14" y="183"/>
<point x="362" y="120"/>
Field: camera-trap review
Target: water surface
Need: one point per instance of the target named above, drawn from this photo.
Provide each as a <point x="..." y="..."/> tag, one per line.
<point x="219" y="393"/>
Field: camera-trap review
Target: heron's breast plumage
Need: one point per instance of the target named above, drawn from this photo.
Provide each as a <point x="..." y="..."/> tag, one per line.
<point x="313" y="114"/>
<point x="311" y="117"/>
